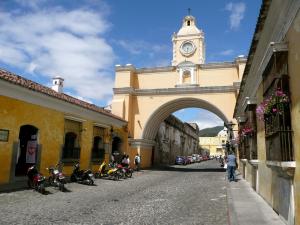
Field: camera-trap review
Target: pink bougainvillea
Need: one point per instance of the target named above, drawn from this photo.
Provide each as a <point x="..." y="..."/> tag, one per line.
<point x="273" y="104"/>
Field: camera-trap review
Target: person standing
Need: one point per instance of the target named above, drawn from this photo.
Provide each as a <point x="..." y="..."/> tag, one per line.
<point x="231" y="166"/>
<point x="137" y="161"/>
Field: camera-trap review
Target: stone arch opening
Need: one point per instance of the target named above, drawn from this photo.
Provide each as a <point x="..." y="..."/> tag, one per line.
<point x="159" y="115"/>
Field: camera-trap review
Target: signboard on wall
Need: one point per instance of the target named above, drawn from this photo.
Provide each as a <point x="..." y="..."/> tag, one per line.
<point x="31" y="152"/>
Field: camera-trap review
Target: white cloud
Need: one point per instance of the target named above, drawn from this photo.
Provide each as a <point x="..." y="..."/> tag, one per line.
<point x="227" y="52"/>
<point x="206" y="119"/>
<point x="59" y="42"/>
<point x="237" y="11"/>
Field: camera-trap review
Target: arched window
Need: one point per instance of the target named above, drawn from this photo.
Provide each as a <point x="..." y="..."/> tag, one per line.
<point x="188" y="23"/>
<point x="70" y="150"/>
<point x="98" y="148"/>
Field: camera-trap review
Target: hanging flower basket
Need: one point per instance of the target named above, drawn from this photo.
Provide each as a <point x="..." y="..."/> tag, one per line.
<point x="272" y="105"/>
<point x="247" y="131"/>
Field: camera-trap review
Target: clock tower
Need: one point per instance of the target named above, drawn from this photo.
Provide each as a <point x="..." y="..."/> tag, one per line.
<point x="188" y="43"/>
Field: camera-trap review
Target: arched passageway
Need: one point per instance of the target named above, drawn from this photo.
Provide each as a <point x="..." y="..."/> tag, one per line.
<point x="161" y="113"/>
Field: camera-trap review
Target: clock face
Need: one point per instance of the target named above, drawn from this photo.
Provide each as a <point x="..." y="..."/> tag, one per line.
<point x="187" y="48"/>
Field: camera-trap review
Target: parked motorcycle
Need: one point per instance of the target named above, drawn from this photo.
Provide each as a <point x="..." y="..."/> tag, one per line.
<point x="82" y="176"/>
<point x="36" y="180"/>
<point x="111" y="172"/>
<point x="125" y="171"/>
<point x="56" y="178"/>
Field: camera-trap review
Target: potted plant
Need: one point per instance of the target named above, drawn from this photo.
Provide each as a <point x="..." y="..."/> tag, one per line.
<point x="272" y="105"/>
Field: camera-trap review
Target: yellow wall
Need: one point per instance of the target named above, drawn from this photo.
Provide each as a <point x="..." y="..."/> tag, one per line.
<point x="50" y="123"/>
<point x="293" y="38"/>
<point x="51" y="133"/>
<point x="212" y="143"/>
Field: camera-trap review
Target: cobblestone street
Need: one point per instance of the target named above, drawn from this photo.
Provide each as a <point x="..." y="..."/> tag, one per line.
<point x="193" y="194"/>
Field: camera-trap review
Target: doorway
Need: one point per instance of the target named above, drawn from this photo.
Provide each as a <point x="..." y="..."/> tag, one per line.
<point x="116" y="148"/>
<point x="28" y="149"/>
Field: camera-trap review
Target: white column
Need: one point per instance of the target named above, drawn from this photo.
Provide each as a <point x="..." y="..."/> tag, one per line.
<point x="192" y="76"/>
<point x="180" y="76"/>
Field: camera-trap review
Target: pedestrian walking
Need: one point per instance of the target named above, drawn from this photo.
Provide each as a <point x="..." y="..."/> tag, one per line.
<point x="231" y="166"/>
<point x="137" y="161"/>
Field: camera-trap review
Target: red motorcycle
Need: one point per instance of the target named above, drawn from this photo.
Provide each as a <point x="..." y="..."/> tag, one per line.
<point x="125" y="171"/>
<point x="56" y="178"/>
<point x="35" y="179"/>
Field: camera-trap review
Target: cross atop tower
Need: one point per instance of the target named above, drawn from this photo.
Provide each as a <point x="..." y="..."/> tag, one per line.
<point x="189" y="11"/>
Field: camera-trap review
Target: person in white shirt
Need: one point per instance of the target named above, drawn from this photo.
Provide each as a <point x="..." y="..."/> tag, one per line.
<point x="137" y="161"/>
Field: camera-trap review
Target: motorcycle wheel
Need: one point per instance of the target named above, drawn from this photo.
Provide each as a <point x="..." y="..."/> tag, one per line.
<point x="61" y="186"/>
<point x="73" y="178"/>
<point x="41" y="188"/>
<point x="91" y="182"/>
<point x="129" y="174"/>
<point x="51" y="181"/>
<point x="30" y="184"/>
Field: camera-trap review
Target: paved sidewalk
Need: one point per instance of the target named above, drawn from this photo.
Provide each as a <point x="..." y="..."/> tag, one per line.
<point x="246" y="207"/>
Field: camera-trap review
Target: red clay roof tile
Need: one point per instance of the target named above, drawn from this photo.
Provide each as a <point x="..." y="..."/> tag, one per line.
<point x="21" y="81"/>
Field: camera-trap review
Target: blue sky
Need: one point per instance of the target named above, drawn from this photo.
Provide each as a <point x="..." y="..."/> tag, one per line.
<point x="83" y="40"/>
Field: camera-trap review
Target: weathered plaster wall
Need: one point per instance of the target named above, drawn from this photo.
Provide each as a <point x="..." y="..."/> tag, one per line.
<point x="174" y="138"/>
<point x="293" y="37"/>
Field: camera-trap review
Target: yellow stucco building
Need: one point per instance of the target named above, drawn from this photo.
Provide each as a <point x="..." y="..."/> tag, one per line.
<point x="268" y="109"/>
<point x="44" y="126"/>
<point x="145" y="97"/>
<point x="214" y="145"/>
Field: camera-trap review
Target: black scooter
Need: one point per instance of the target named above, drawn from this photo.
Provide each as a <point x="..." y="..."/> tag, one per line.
<point x="82" y="176"/>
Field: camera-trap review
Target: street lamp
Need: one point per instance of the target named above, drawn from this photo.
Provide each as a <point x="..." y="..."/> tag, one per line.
<point x="229" y="126"/>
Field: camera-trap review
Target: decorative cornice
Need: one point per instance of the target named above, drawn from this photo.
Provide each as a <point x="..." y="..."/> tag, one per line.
<point x="179" y="90"/>
<point x="156" y="69"/>
<point x="218" y="65"/>
<point x="128" y="67"/>
<point x="249" y="101"/>
<point x="141" y="143"/>
<point x="237" y="84"/>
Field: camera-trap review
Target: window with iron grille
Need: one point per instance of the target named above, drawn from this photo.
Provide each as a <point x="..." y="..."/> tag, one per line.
<point x="98" y="150"/>
<point x="71" y="148"/>
<point x="277" y="119"/>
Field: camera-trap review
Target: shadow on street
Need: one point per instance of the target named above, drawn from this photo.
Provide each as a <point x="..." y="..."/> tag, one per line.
<point x="182" y="169"/>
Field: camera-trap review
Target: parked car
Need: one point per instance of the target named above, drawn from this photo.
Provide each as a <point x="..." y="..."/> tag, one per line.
<point x="205" y="157"/>
<point x="186" y="160"/>
<point x="196" y="157"/>
<point x="179" y="160"/>
<point x="190" y="158"/>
